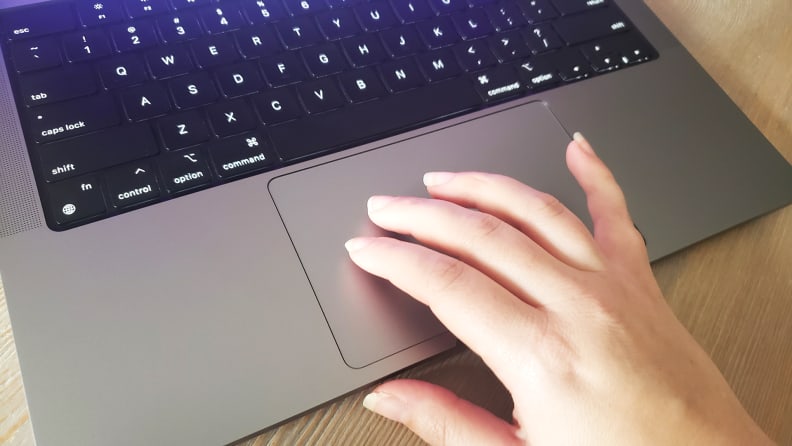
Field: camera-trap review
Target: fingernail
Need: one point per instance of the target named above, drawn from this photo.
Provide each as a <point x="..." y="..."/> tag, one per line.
<point x="582" y="142"/>
<point x="357" y="243"/>
<point x="437" y="178"/>
<point x="378" y="202"/>
<point x="386" y="405"/>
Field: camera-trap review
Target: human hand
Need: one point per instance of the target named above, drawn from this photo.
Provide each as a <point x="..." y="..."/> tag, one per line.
<point x="573" y="324"/>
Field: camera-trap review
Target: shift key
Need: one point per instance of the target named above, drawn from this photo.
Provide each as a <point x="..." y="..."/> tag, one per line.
<point x="76" y="156"/>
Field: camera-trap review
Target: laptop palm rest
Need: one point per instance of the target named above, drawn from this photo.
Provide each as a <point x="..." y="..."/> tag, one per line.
<point x="324" y="206"/>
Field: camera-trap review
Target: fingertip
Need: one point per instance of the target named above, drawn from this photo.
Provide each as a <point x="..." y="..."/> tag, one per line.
<point x="386" y="405"/>
<point x="378" y="202"/>
<point x="582" y="143"/>
<point x="357" y="243"/>
<point x="433" y="179"/>
<point x="438" y="415"/>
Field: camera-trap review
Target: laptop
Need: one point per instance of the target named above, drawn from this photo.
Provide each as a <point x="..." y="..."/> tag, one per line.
<point x="179" y="176"/>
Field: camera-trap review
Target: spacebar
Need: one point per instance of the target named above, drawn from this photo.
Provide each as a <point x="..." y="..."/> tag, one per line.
<point x="364" y="122"/>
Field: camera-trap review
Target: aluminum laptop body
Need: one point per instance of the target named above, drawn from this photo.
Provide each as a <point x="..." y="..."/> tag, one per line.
<point x="237" y="302"/>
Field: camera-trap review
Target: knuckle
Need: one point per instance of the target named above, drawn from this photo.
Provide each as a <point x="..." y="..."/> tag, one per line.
<point x="549" y="205"/>
<point x="485" y="225"/>
<point x="447" y="272"/>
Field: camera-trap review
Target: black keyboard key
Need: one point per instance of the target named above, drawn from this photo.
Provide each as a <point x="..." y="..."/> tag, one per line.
<point x="74" y="200"/>
<point x="439" y="65"/>
<point x="31" y="55"/>
<point x="72" y="118"/>
<point x="362" y="85"/>
<point x="605" y="63"/>
<point x="438" y="32"/>
<point x="538" y="73"/>
<point x="183" y="130"/>
<point x="401" y="75"/>
<point x="95" y="13"/>
<point x="567" y="7"/>
<point x="240" y="155"/>
<point x="95" y="151"/>
<point x="186" y="4"/>
<point x="376" y="15"/>
<point x="56" y="85"/>
<point x="473" y="23"/>
<point x="184" y="170"/>
<point x="364" y="50"/>
<point x="179" y="28"/>
<point x="278" y="105"/>
<point x="620" y="49"/>
<point x="259" y="41"/>
<point x="321" y="95"/>
<point x="239" y="79"/>
<point x="38" y="21"/>
<point x="601" y="22"/>
<point x="298" y="7"/>
<point x="284" y="68"/>
<point x="145" y="101"/>
<point x="509" y="46"/>
<point x="122" y="71"/>
<point x="402" y="41"/>
<point x="542" y="38"/>
<point x="193" y="90"/>
<point x="232" y="117"/>
<point x="134" y="36"/>
<point x="537" y="11"/>
<point x="169" y="61"/>
<point x="132" y="184"/>
<point x="215" y="50"/>
<point x="572" y="66"/>
<point x="87" y="45"/>
<point x="635" y="51"/>
<point x="324" y="59"/>
<point x="338" y="23"/>
<point x="264" y="11"/>
<point x="344" y="3"/>
<point x="369" y="120"/>
<point x="505" y="16"/>
<point x="475" y="55"/>
<point x="448" y="6"/>
<point x="220" y="18"/>
<point x="412" y="11"/>
<point x="299" y="33"/>
<point x="476" y="3"/>
<point x="145" y="8"/>
<point x="497" y="83"/>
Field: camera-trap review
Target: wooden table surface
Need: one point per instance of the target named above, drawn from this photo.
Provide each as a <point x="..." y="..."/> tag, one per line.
<point x="733" y="291"/>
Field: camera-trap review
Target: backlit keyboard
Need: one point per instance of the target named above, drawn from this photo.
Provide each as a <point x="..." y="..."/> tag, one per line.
<point x="126" y="103"/>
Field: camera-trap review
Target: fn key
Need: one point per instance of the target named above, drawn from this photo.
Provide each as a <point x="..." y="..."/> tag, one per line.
<point x="75" y="199"/>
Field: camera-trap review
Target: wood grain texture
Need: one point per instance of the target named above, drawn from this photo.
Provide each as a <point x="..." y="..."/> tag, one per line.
<point x="733" y="291"/>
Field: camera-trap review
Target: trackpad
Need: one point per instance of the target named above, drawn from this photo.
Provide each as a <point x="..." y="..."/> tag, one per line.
<point x="324" y="206"/>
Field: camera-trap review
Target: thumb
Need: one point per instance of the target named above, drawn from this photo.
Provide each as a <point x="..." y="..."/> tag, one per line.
<point x="437" y="415"/>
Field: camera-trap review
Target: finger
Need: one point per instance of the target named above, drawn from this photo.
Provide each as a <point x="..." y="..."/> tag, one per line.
<point x="438" y="416"/>
<point x="538" y="215"/>
<point x="478" y="311"/>
<point x="614" y="230"/>
<point x="481" y="240"/>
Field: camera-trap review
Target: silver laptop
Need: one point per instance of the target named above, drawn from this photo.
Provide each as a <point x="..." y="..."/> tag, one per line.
<point x="179" y="176"/>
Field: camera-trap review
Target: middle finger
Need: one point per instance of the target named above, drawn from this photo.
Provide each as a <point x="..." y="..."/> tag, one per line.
<point x="481" y="240"/>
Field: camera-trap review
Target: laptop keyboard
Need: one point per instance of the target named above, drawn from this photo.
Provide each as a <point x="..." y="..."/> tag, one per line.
<point x="126" y="103"/>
